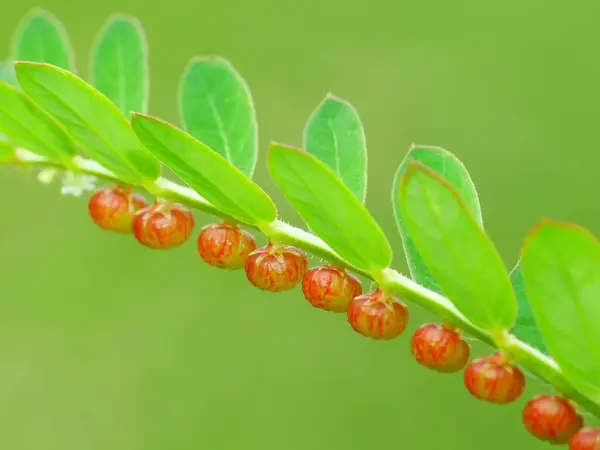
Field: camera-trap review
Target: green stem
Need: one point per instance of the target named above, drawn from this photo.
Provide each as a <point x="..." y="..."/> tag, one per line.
<point x="391" y="281"/>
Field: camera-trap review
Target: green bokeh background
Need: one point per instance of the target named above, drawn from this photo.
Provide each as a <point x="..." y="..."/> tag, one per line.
<point x="108" y="345"/>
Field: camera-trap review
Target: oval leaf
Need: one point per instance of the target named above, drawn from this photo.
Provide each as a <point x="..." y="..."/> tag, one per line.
<point x="461" y="258"/>
<point x="207" y="172"/>
<point x="27" y="125"/>
<point x="560" y="263"/>
<point x="120" y="64"/>
<point x="335" y="135"/>
<point x="449" y="167"/>
<point x="216" y="107"/>
<point x="329" y="208"/>
<point x="91" y="119"/>
<point x="41" y="37"/>
<point x="525" y="328"/>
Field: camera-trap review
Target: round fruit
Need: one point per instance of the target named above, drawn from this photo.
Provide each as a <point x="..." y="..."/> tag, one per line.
<point x="586" y="439"/>
<point x="377" y="315"/>
<point x="114" y="208"/>
<point x="494" y="379"/>
<point x="551" y="418"/>
<point x="225" y="246"/>
<point x="330" y="288"/>
<point x="163" y="225"/>
<point x="276" y="268"/>
<point x="440" y="348"/>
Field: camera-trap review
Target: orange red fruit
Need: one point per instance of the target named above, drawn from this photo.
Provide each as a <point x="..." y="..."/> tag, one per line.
<point x="494" y="379"/>
<point x="551" y="418"/>
<point x="585" y="439"/>
<point x="440" y="348"/>
<point x="377" y="315"/>
<point x="276" y="268"/>
<point x="225" y="246"/>
<point x="163" y="225"/>
<point x="114" y="208"/>
<point x="329" y="288"/>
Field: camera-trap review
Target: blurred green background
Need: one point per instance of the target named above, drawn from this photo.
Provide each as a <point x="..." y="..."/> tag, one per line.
<point x="108" y="345"/>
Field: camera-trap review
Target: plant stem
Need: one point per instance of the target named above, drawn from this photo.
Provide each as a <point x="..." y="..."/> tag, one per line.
<point x="533" y="361"/>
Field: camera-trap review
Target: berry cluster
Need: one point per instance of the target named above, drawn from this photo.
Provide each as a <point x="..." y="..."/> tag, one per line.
<point x="376" y="315"/>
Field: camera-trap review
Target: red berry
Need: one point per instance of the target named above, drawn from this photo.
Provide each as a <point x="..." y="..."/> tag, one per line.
<point x="225" y="246"/>
<point x="440" y="348"/>
<point x="329" y="288"/>
<point x="114" y="208"/>
<point x="163" y="225"/>
<point x="377" y="315"/>
<point x="276" y="268"/>
<point x="551" y="419"/>
<point x="494" y="379"/>
<point x="586" y="439"/>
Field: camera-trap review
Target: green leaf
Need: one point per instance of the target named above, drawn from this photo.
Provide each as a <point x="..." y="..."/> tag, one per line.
<point x="120" y="64"/>
<point x="461" y="258"/>
<point x="329" y="208"/>
<point x="7" y="151"/>
<point x="335" y="135"/>
<point x="448" y="166"/>
<point x="30" y="127"/>
<point x="41" y="37"/>
<point x="207" y="172"/>
<point x="560" y="263"/>
<point x="216" y="107"/>
<point x="525" y="328"/>
<point x="7" y="72"/>
<point x="95" y="123"/>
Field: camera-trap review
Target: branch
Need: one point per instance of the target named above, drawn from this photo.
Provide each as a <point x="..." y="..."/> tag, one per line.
<point x="529" y="358"/>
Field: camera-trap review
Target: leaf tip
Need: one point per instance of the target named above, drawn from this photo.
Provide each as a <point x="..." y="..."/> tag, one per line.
<point x="210" y="59"/>
<point x="37" y="11"/>
<point x="23" y="67"/>
<point x="538" y="227"/>
<point x="331" y="97"/>
<point x="273" y="145"/>
<point x="430" y="148"/>
<point x="122" y="17"/>
<point x="35" y="64"/>
<point x="118" y="18"/>
<point x="547" y="223"/>
<point x="139" y="118"/>
<point x="415" y="168"/>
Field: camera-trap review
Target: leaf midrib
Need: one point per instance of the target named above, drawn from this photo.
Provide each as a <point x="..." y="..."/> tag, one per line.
<point x="218" y="120"/>
<point x="464" y="272"/>
<point x="89" y="127"/>
<point x="248" y="213"/>
<point x="120" y="78"/>
<point x="336" y="149"/>
<point x="323" y="207"/>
